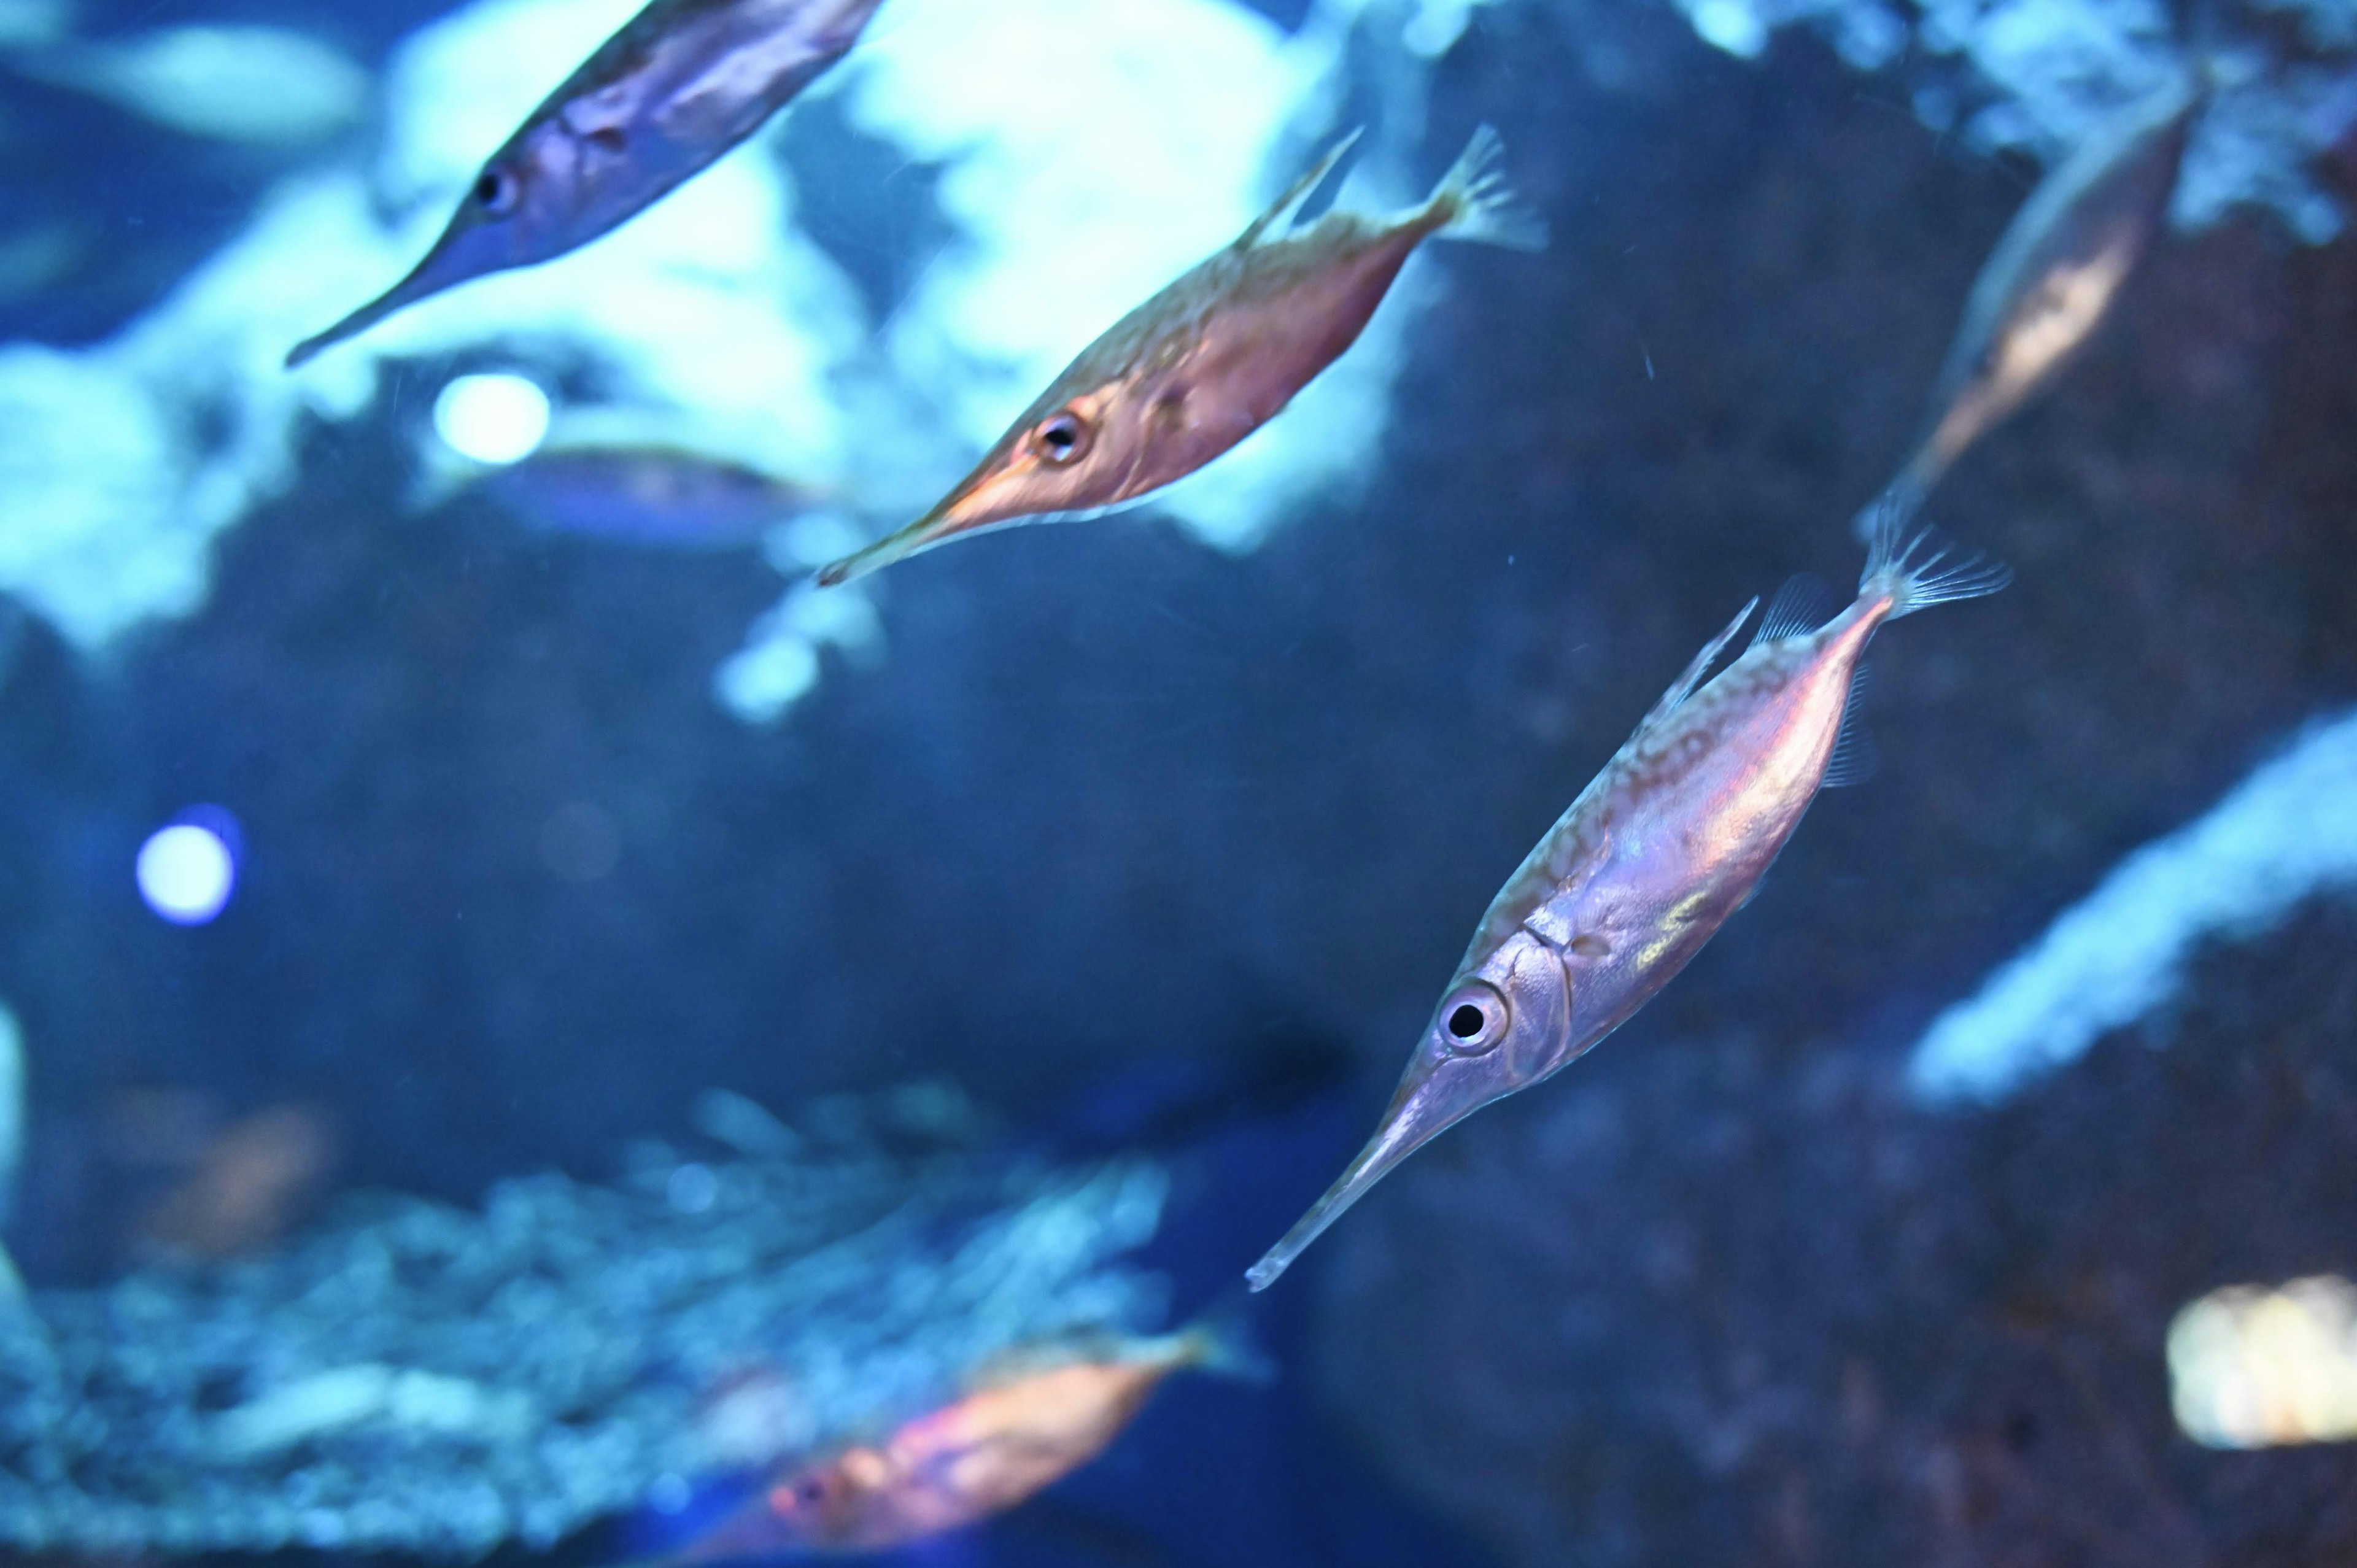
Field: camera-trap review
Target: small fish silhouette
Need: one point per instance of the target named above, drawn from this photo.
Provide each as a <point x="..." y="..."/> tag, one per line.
<point x="1671" y="839"/>
<point x="656" y="495"/>
<point x="1033" y="1421"/>
<point x="1211" y="359"/>
<point x="682" y="83"/>
<point x="2051" y="281"/>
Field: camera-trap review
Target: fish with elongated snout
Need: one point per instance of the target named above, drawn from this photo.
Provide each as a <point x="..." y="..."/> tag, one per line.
<point x="682" y="83"/>
<point x="2051" y="281"/>
<point x="1030" y="1422"/>
<point x="1211" y="359"/>
<point x="1671" y="839"/>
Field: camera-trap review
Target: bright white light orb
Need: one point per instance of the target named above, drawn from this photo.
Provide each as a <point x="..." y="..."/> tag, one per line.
<point x="2254" y="1367"/>
<point x="185" y="874"/>
<point x="492" y="419"/>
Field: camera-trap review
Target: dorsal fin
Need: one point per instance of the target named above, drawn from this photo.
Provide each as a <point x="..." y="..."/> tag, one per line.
<point x="1684" y="686"/>
<point x="1279" y="218"/>
<point x="1802" y="606"/>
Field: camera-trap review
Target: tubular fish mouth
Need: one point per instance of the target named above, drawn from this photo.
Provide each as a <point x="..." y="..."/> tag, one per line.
<point x="898" y="545"/>
<point x="421" y="284"/>
<point x="1424" y="1107"/>
<point x="951" y="516"/>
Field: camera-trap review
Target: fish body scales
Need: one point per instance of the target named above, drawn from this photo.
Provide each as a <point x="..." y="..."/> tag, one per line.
<point x="1684" y="822"/>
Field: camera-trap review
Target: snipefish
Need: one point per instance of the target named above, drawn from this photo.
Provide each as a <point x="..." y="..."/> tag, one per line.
<point x="1211" y="359"/>
<point x="1664" y="844"/>
<point x="682" y="83"/>
<point x="655" y="495"/>
<point x="2051" y="281"/>
<point x="1029" y="1422"/>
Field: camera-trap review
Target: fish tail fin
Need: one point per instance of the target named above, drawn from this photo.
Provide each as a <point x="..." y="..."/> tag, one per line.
<point x="1919" y="569"/>
<point x="1474" y="202"/>
<point x="1221" y="1341"/>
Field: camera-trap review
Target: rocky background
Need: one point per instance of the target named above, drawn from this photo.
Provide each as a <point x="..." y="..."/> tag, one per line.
<point x="1715" y="1295"/>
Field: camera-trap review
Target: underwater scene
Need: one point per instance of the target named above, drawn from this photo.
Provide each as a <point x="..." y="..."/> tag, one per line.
<point x="605" y="962"/>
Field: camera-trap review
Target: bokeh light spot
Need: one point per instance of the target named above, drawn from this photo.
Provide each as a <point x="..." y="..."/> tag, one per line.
<point x="2253" y="1367"/>
<point x="185" y="874"/>
<point x="496" y="419"/>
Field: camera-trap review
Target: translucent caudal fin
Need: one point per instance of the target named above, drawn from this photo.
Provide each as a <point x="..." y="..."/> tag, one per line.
<point x="1476" y="203"/>
<point x="1919" y="569"/>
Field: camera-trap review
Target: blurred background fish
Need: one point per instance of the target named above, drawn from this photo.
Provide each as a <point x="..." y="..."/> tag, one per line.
<point x="658" y="496"/>
<point x="2051" y="282"/>
<point x="1031" y="1420"/>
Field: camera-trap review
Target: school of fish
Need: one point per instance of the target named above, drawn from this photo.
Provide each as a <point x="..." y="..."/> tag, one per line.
<point x="1669" y="840"/>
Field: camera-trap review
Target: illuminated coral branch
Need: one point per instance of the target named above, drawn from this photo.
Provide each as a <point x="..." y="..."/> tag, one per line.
<point x="430" y="1380"/>
<point x="2287" y="833"/>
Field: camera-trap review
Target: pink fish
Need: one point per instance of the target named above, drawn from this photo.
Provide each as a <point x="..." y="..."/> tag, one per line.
<point x="1210" y="359"/>
<point x="1030" y="1422"/>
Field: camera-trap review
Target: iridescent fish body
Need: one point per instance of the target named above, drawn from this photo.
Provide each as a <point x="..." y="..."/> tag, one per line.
<point x="682" y="83"/>
<point x="1031" y="1423"/>
<point x="1210" y="359"/>
<point x="2051" y="281"/>
<point x="1671" y="839"/>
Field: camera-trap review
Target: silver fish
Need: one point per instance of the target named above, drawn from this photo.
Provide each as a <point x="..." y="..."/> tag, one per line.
<point x="654" y="494"/>
<point x="2051" y="281"/>
<point x="1671" y="839"/>
<point x="1211" y="359"/>
<point x="682" y="83"/>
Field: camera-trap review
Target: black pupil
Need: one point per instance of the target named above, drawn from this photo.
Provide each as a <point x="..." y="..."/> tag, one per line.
<point x="491" y="188"/>
<point x="1060" y="435"/>
<point x="1466" y="1021"/>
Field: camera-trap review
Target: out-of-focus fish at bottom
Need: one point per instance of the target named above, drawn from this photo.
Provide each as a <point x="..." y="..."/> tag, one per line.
<point x="1028" y="1423"/>
<point x="1671" y="839"/>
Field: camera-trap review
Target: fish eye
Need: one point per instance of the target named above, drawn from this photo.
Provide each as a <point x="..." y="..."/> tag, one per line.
<point x="496" y="190"/>
<point x="1062" y="437"/>
<point x="1473" y="1020"/>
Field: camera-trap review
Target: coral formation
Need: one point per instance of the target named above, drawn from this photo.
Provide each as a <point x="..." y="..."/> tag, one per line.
<point x="424" y="1379"/>
<point x="2285" y="834"/>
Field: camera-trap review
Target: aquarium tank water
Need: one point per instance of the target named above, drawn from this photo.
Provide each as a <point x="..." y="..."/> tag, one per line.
<point x="955" y="783"/>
